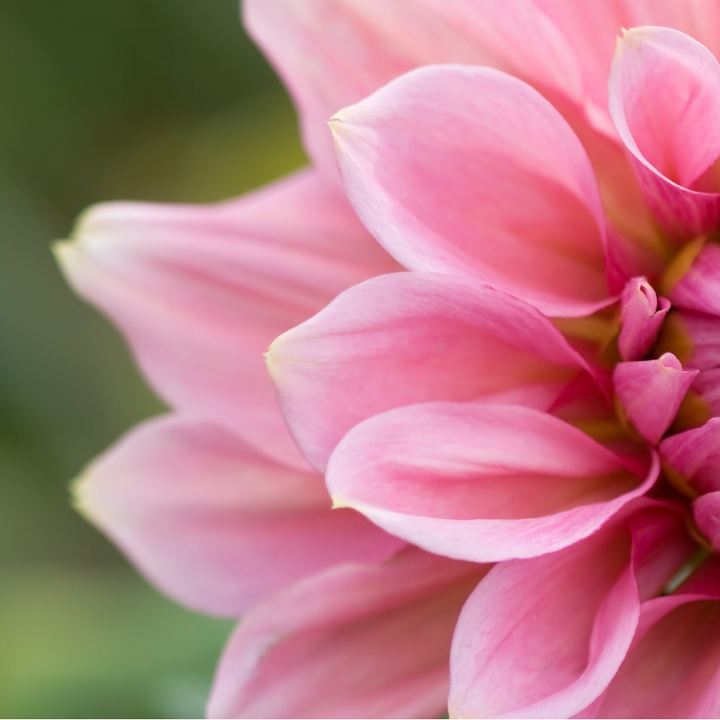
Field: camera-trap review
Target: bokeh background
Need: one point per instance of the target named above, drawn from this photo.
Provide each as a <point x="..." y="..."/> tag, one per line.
<point x="162" y="100"/>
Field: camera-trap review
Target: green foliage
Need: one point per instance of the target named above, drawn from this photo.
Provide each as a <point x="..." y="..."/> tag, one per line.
<point x="162" y="100"/>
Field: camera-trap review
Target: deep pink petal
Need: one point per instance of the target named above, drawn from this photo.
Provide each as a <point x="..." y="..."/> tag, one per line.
<point x="480" y="482"/>
<point x="333" y="54"/>
<point x="673" y="668"/>
<point x="651" y="391"/>
<point x="706" y="510"/>
<point x="641" y="318"/>
<point x="408" y="338"/>
<point x="355" y="641"/>
<point x="699" y="288"/>
<point x="695" y="454"/>
<point x="200" y="292"/>
<point x="212" y="522"/>
<point x="544" y="637"/>
<point x="694" y="337"/>
<point x="664" y="93"/>
<point x="499" y="191"/>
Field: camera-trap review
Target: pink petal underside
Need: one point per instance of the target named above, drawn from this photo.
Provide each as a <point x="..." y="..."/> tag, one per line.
<point x="355" y="641"/>
<point x="332" y="54"/>
<point x="201" y="291"/>
<point x="543" y="637"/>
<point x="695" y="454"/>
<point x="213" y="523"/>
<point x="664" y="92"/>
<point x="672" y="669"/>
<point x="480" y="482"/>
<point x="469" y="171"/>
<point x="699" y="288"/>
<point x="641" y="318"/>
<point x="651" y="391"/>
<point x="408" y="338"/>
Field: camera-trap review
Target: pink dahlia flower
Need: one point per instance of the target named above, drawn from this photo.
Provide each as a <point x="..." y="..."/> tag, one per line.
<point x="520" y="435"/>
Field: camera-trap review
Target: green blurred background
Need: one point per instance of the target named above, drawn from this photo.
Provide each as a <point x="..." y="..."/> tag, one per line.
<point x="163" y="100"/>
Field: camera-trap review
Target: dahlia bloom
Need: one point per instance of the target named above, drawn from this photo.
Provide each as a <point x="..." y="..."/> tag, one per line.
<point x="520" y="435"/>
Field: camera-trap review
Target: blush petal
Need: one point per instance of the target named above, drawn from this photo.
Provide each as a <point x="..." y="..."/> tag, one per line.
<point x="651" y="391"/>
<point x="481" y="482"/>
<point x="213" y="523"/>
<point x="408" y="338"/>
<point x="501" y="192"/>
<point x="346" y="643"/>
<point x="664" y="93"/>
<point x="200" y="292"/>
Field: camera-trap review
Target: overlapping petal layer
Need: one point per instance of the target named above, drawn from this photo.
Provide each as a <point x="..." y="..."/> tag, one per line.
<point x="201" y="291"/>
<point x="482" y="482"/>
<point x="414" y="337"/>
<point x="355" y="641"/>
<point x="215" y="524"/>
<point x="436" y="171"/>
<point x="544" y="637"/>
<point x="664" y="91"/>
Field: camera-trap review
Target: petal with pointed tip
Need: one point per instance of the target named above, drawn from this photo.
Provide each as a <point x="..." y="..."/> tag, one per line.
<point x="499" y="191"/>
<point x="408" y="338"/>
<point x="481" y="482"/>
<point x="200" y="292"/>
<point x="664" y="92"/>
<point x="212" y="522"/>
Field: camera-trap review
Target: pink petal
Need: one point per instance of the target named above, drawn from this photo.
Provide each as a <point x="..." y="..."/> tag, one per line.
<point x="480" y="482"/>
<point x="355" y="641"/>
<point x="706" y="510"/>
<point x="695" y="454"/>
<point x="640" y="319"/>
<point x="501" y="191"/>
<point x="333" y="54"/>
<point x="543" y="637"/>
<point x="699" y="288"/>
<point x="214" y="524"/>
<point x="707" y="388"/>
<point x="408" y="338"/>
<point x="201" y="291"/>
<point x="592" y="29"/>
<point x="694" y="337"/>
<point x="664" y="93"/>
<point x="673" y="668"/>
<point x="651" y="391"/>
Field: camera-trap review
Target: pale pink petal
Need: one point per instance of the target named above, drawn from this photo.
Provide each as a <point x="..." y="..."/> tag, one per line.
<point x="699" y="288"/>
<point x="664" y="93"/>
<point x="706" y="510"/>
<point x="695" y="454"/>
<point x="334" y="53"/>
<point x="213" y="523"/>
<point x="673" y="668"/>
<point x="641" y="318"/>
<point x="592" y="28"/>
<point x="408" y="338"/>
<point x="499" y="191"/>
<point x="355" y="641"/>
<point x="481" y="482"/>
<point x="650" y="392"/>
<point x="200" y="292"/>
